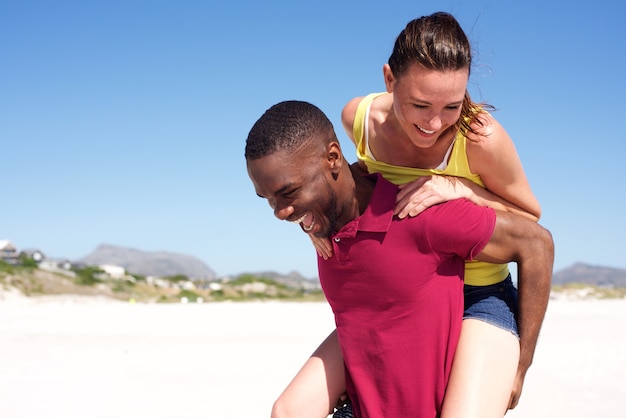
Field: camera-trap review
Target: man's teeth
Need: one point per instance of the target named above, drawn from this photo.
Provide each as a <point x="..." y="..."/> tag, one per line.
<point x="426" y="131"/>
<point x="299" y="221"/>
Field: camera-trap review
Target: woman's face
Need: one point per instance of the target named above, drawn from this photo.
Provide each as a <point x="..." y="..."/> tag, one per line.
<point x="426" y="102"/>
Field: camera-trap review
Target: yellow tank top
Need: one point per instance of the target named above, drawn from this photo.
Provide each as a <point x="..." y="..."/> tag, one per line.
<point x="477" y="273"/>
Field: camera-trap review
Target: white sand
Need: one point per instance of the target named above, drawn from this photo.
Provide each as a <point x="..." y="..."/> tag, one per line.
<point x="71" y="357"/>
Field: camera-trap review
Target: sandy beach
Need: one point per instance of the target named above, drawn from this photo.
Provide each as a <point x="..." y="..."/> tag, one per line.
<point x="84" y="357"/>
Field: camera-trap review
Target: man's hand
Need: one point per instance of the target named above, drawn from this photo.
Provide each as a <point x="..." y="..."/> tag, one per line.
<point x="517" y="388"/>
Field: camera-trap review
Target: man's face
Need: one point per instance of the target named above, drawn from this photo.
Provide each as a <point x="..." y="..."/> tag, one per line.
<point x="299" y="188"/>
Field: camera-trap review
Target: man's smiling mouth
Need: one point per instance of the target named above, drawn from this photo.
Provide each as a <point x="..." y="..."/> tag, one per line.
<point x="300" y="221"/>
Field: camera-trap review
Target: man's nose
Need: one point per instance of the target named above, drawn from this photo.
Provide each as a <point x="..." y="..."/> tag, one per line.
<point x="283" y="212"/>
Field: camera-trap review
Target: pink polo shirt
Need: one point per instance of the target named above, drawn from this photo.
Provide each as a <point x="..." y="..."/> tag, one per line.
<point x="396" y="289"/>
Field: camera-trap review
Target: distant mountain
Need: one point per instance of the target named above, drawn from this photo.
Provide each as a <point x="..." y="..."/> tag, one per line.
<point x="160" y="263"/>
<point x="293" y="279"/>
<point x="593" y="275"/>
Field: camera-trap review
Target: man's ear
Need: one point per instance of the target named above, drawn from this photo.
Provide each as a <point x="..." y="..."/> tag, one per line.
<point x="389" y="79"/>
<point x="335" y="159"/>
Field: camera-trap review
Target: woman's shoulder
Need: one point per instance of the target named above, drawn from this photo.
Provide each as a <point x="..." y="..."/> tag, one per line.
<point x="485" y="131"/>
<point x="348" y="114"/>
<point x="351" y="107"/>
<point x="358" y="106"/>
<point x="489" y="145"/>
<point x="349" y="110"/>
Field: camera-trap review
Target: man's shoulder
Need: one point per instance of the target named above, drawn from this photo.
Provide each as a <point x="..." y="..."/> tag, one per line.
<point x="455" y="216"/>
<point x="455" y="207"/>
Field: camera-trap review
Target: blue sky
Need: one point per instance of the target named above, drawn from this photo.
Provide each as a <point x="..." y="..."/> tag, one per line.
<point x="124" y="122"/>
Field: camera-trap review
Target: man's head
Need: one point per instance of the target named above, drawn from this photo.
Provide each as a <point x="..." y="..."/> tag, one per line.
<point x="294" y="161"/>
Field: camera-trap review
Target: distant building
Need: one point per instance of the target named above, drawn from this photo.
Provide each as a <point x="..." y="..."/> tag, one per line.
<point x="156" y="281"/>
<point x="34" y="255"/>
<point x="8" y="252"/>
<point x="114" y="272"/>
<point x="215" y="286"/>
<point x="57" y="265"/>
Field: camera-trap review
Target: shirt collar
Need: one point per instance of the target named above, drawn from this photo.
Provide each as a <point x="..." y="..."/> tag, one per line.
<point x="379" y="212"/>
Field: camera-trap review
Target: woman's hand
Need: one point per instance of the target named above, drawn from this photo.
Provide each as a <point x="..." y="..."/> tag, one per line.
<point x="323" y="246"/>
<point x="418" y="195"/>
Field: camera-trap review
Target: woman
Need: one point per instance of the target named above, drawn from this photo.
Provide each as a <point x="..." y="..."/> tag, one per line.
<point x="427" y="135"/>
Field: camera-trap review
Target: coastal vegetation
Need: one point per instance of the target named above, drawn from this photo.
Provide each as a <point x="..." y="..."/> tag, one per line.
<point x="588" y="291"/>
<point x="29" y="280"/>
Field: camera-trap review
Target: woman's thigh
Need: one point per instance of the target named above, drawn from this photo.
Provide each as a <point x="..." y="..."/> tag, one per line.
<point x="487" y="355"/>
<point x="483" y="372"/>
<point x="317" y="387"/>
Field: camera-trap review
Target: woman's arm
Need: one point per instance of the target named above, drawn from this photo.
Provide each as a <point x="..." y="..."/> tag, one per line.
<point x="420" y="194"/>
<point x="492" y="155"/>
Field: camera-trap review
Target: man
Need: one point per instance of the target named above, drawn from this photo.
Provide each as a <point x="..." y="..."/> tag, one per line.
<point x="395" y="286"/>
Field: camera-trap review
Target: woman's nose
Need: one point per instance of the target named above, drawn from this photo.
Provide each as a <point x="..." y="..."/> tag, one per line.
<point x="434" y="123"/>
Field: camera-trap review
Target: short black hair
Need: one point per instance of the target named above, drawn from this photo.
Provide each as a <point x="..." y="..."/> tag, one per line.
<point x="286" y="126"/>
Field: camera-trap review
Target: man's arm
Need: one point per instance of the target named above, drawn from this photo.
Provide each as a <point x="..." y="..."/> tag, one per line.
<point x="531" y="246"/>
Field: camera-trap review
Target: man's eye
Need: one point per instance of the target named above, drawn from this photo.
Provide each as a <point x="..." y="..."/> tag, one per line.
<point x="290" y="193"/>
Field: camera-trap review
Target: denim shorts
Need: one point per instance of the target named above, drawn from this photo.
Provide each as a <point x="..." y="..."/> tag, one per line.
<point x="495" y="304"/>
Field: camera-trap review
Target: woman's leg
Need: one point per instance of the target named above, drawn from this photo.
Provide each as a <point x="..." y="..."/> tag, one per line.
<point x="315" y="390"/>
<point x="483" y="372"/>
